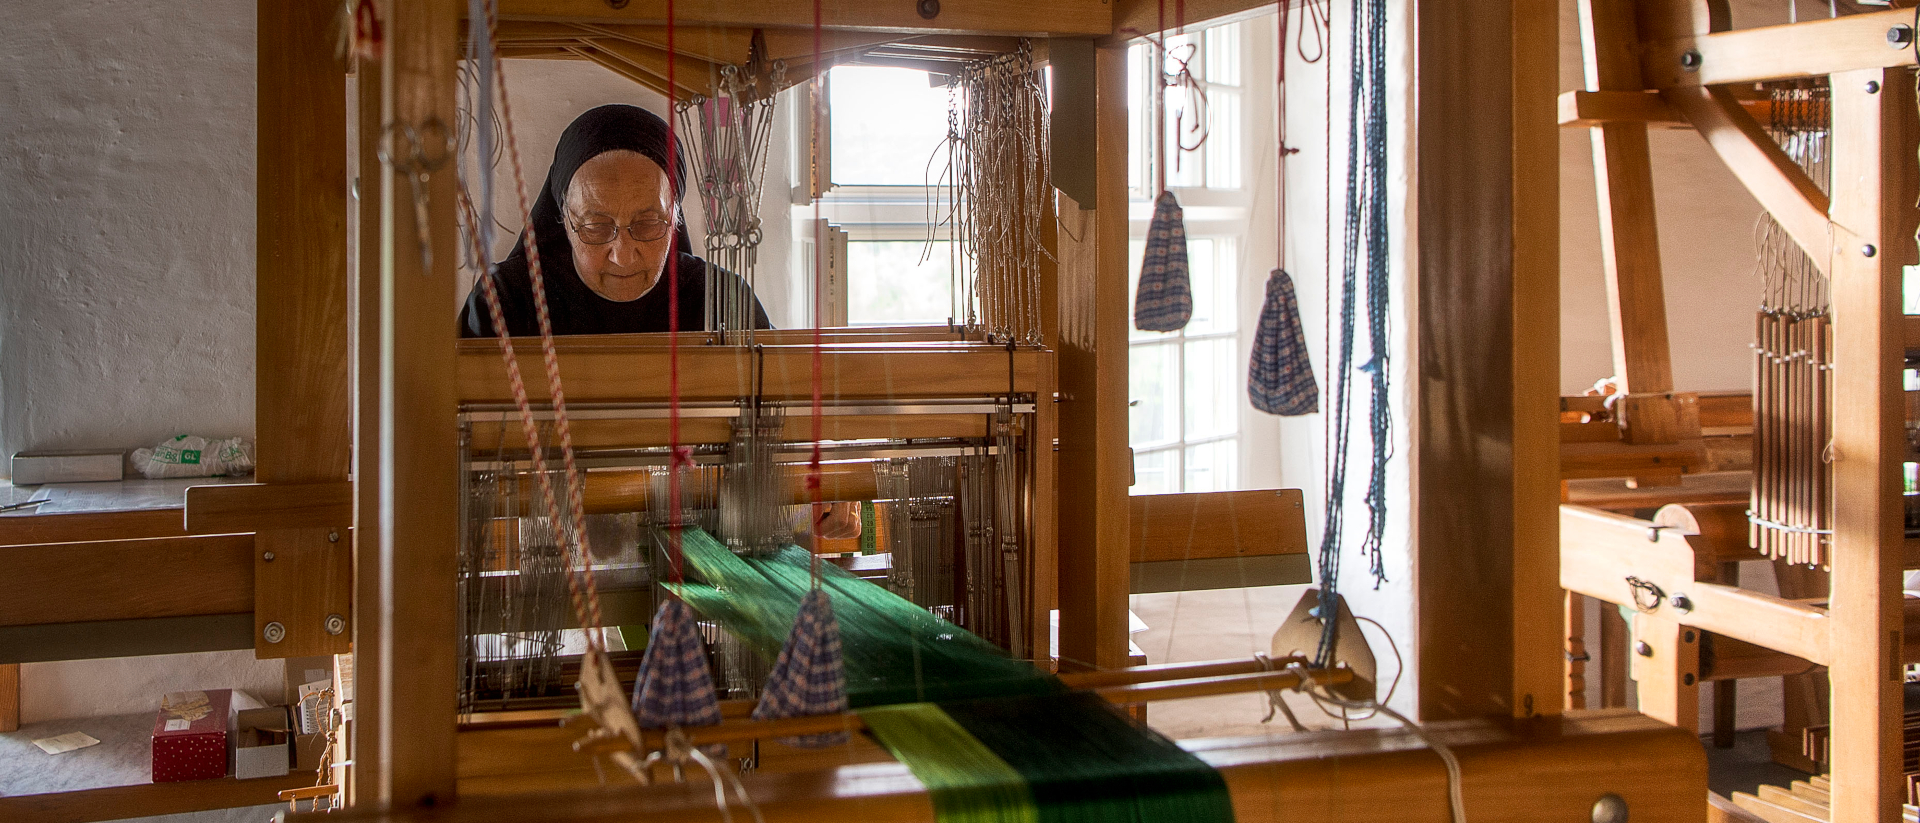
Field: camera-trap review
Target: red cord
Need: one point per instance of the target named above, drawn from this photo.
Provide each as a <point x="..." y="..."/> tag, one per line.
<point x="677" y="461"/>
<point x="819" y="259"/>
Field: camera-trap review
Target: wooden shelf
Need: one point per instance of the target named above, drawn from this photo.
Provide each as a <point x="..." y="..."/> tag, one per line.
<point x="147" y="799"/>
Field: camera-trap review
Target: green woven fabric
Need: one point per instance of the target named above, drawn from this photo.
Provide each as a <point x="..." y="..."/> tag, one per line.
<point x="896" y="652"/>
<point x="967" y="782"/>
<point x="1085" y="762"/>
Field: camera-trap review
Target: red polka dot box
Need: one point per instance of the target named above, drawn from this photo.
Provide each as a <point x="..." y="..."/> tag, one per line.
<point x="190" y="735"/>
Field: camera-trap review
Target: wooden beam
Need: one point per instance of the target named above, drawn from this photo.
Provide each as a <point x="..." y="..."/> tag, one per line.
<point x="81" y="527"/>
<point x="1253" y="523"/>
<point x="1134" y="18"/>
<point x="1486" y="473"/>
<point x="626" y="371"/>
<point x="128" y="579"/>
<point x="1666" y="670"/>
<point x="1629" y="236"/>
<point x="1774" y="179"/>
<point x="1538" y="605"/>
<point x="1333" y="777"/>
<point x="147" y="799"/>
<point x="301" y="327"/>
<point x="1063" y="17"/>
<point x="1600" y="551"/>
<point x="1585" y="109"/>
<point x="1872" y="173"/>
<point x="1811" y="49"/>
<point x="410" y="344"/>
<point x="254" y="507"/>
<point x="9" y="697"/>
<point x="1095" y="463"/>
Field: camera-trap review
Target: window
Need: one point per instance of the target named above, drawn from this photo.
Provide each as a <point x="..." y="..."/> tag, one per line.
<point x="1186" y="387"/>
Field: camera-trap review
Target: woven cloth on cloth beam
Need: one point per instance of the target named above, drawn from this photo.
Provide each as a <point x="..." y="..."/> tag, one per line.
<point x="810" y="676"/>
<point x="1164" y="301"/>
<point x="895" y="651"/>
<point x="1069" y="758"/>
<point x="674" y="687"/>
<point x="1280" y="373"/>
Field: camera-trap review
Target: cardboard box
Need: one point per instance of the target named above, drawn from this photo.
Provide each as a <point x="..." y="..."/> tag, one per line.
<point x="262" y="743"/>
<point x="190" y="736"/>
<point x="34" y="468"/>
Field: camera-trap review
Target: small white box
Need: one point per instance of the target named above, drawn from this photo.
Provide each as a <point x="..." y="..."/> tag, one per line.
<point x="35" y="468"/>
<point x="263" y="743"/>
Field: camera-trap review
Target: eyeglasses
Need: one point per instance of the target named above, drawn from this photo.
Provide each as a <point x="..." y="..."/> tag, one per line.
<point x="600" y="234"/>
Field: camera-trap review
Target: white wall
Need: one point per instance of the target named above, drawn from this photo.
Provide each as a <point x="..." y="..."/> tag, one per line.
<point x="126" y="196"/>
<point x="1706" y="223"/>
<point x="126" y="265"/>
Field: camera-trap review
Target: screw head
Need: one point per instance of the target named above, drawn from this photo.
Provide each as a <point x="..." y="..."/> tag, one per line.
<point x="1900" y="36"/>
<point x="267" y="556"/>
<point x="1868" y="250"/>
<point x="1687" y="636"/>
<point x="1682" y="602"/>
<point x="274" y="632"/>
<point x="333" y="537"/>
<point x="1641" y="648"/>
<point x="928" y="9"/>
<point x="336" y="624"/>
<point x="1686" y="679"/>
<point x="1690" y="60"/>
<point x="1873" y="87"/>
<point x="1610" y="808"/>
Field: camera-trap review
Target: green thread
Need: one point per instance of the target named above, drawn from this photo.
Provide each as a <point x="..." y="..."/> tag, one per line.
<point x="967" y="782"/>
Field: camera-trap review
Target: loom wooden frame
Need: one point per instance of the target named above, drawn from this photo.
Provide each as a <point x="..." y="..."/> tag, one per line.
<point x="1635" y="77"/>
<point x="405" y="744"/>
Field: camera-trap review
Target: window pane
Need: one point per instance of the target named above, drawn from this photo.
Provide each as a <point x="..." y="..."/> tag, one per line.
<point x="1212" y="388"/>
<point x="887" y="126"/>
<point x="1153" y="473"/>
<point x="1153" y="374"/>
<point x="888" y="284"/>
<point x="1213" y="268"/>
<point x="1223" y="139"/>
<point x="1211" y="467"/>
<point x="1223" y="54"/>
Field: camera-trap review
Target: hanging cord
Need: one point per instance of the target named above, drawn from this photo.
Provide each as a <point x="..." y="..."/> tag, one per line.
<point x="679" y="751"/>
<point x="681" y="460"/>
<point x="569" y="532"/>
<point x="1366" y="239"/>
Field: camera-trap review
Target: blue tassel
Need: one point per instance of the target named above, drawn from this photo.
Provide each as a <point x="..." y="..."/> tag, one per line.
<point x="1280" y="374"/>
<point x="1165" y="299"/>
<point x="674" y="687"/>
<point x="810" y="676"/>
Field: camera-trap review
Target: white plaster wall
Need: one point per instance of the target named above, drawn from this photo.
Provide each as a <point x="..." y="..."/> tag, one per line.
<point x="546" y="95"/>
<point x="126" y="265"/>
<point x="126" y="201"/>
<point x="1706" y="221"/>
<point x="130" y="685"/>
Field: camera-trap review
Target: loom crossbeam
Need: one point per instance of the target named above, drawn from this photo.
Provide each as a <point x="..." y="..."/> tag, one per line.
<point x="1553" y="771"/>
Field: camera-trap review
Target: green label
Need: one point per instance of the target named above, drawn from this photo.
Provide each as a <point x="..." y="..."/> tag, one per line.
<point x="190" y="455"/>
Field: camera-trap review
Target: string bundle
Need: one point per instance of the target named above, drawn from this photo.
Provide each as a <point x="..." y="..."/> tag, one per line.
<point x="997" y="188"/>
<point x="1366" y="245"/>
<point x="731" y="133"/>
<point x="1791" y="514"/>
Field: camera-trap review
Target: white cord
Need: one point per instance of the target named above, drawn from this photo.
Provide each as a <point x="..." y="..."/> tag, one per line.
<point x="679" y="750"/>
<point x="1456" y="796"/>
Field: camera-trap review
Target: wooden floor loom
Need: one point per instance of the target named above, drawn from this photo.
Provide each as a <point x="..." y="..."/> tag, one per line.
<point x="1488" y="651"/>
<point x="1655" y="63"/>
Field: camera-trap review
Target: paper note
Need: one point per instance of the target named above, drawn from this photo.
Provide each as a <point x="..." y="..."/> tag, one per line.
<point x="65" y="742"/>
<point x="177" y="725"/>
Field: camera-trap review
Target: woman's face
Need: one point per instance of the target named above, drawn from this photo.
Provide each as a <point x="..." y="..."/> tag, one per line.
<point x="623" y="189"/>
